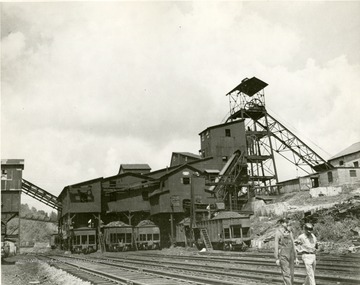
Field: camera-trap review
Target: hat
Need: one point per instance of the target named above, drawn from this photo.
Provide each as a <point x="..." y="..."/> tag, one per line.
<point x="309" y="227"/>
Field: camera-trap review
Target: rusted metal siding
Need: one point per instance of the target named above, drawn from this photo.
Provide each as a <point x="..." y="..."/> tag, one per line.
<point x="11" y="174"/>
<point x="218" y="142"/>
<point x="10" y="201"/>
<point x="72" y="201"/>
<point x="175" y="187"/>
<point x="118" y="200"/>
<point x="130" y="200"/>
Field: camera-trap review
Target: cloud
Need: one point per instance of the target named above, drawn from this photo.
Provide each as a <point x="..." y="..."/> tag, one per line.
<point x="99" y="84"/>
<point x="12" y="47"/>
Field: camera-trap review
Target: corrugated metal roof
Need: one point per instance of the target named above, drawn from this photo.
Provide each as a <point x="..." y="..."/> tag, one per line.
<point x="228" y="215"/>
<point x="212" y="171"/>
<point x="222" y="125"/>
<point x="351" y="149"/>
<point x="135" y="166"/>
<point x="12" y="161"/>
<point x="250" y="86"/>
<point x="189" y="154"/>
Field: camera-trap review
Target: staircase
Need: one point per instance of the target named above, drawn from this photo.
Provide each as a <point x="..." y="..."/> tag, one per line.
<point x="206" y="239"/>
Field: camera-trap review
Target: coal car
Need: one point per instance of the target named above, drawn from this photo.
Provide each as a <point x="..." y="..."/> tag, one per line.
<point x="118" y="236"/>
<point x="83" y="240"/>
<point x="226" y="231"/>
<point x="147" y="235"/>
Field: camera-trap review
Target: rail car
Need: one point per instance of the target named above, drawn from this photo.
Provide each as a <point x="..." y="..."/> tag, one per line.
<point x="83" y="240"/>
<point x="226" y="231"/>
<point x="8" y="248"/>
<point x="118" y="236"/>
<point x="147" y="235"/>
<point x="55" y="241"/>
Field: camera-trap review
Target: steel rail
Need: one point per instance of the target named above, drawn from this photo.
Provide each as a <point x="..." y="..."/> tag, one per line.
<point x="193" y="271"/>
<point x="321" y="265"/>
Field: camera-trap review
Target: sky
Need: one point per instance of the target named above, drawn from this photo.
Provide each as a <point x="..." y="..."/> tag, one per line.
<point x="87" y="86"/>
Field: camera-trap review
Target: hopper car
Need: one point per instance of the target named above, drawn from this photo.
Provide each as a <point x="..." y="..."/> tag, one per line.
<point x="147" y="235"/>
<point x="118" y="236"/>
<point x="226" y="231"/>
<point x="83" y="240"/>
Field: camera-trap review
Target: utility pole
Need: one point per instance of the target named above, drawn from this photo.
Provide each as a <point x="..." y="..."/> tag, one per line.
<point x="191" y="209"/>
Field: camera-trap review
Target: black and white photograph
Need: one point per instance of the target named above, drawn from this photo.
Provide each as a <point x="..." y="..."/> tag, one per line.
<point x="180" y="142"/>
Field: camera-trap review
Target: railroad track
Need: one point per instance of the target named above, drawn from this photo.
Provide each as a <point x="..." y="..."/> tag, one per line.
<point x="326" y="263"/>
<point x="160" y="269"/>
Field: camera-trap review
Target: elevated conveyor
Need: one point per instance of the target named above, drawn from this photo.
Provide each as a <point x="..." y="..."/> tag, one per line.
<point x="40" y="194"/>
<point x="233" y="174"/>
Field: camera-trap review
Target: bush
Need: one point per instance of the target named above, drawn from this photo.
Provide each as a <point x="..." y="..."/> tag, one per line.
<point x="328" y="229"/>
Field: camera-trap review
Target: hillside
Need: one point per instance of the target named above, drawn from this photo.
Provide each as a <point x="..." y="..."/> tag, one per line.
<point x="33" y="231"/>
<point x="336" y="218"/>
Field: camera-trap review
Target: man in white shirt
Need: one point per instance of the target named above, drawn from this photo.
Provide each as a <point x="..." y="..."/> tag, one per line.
<point x="306" y="246"/>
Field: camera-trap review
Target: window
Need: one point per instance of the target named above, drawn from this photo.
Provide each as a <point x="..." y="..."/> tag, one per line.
<point x="91" y="239"/>
<point x="83" y="239"/>
<point x="227" y="233"/>
<point x="185" y="180"/>
<point x="83" y="197"/>
<point x="149" y="236"/>
<point x="3" y="173"/>
<point x="356" y="164"/>
<point x="121" y="237"/>
<point x="341" y="162"/>
<point x="112" y="184"/>
<point x="352" y="173"/>
<point x="186" y="204"/>
<point x="330" y="177"/>
<point x="227" y="133"/>
<point x="246" y="232"/>
<point x="236" y="231"/>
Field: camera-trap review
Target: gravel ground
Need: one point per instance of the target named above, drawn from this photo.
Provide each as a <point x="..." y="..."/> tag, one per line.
<point x="23" y="269"/>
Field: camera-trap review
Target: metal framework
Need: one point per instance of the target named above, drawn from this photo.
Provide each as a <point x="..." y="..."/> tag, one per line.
<point x="266" y="136"/>
<point x="286" y="141"/>
<point x="233" y="172"/>
<point x="40" y="194"/>
<point x="247" y="102"/>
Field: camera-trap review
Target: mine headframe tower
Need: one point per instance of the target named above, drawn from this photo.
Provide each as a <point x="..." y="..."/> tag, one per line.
<point x="266" y="136"/>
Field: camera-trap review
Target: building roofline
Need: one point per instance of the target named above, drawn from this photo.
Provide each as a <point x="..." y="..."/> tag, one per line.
<point x="222" y="125"/>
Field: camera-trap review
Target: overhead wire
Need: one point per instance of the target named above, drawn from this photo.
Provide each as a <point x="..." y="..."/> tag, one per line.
<point x="297" y="131"/>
